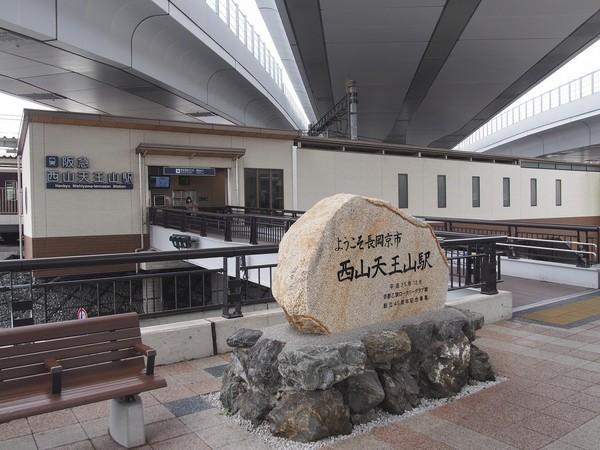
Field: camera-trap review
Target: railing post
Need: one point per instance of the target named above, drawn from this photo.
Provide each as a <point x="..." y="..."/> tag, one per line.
<point x="232" y="292"/>
<point x="488" y="270"/>
<point x="183" y="225"/>
<point x="166" y="219"/>
<point x="597" y="245"/>
<point x="582" y="257"/>
<point x="203" y="226"/>
<point x="228" y="229"/>
<point x="253" y="230"/>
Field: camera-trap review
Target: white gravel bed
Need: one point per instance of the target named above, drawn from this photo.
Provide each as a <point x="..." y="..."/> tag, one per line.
<point x="380" y="417"/>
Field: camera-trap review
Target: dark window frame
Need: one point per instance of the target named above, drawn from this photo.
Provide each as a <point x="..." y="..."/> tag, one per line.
<point x="273" y="175"/>
<point x="506" y="192"/>
<point x="533" y="191"/>
<point x="476" y="192"/>
<point x="558" y="192"/>
<point x="402" y="190"/>
<point x="441" y="191"/>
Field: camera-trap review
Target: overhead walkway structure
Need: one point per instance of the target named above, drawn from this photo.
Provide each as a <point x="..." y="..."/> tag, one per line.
<point x="561" y="124"/>
<point x="169" y="60"/>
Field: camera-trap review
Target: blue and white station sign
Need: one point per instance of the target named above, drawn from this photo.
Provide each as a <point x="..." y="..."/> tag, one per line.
<point x="191" y="171"/>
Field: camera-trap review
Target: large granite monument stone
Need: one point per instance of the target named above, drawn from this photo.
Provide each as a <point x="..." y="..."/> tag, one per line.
<point x="352" y="261"/>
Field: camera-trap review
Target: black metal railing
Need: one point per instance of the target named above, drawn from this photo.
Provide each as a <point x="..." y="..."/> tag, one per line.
<point x="570" y="244"/>
<point x="474" y="262"/>
<point x="41" y="290"/>
<point x="230" y="225"/>
<point x="229" y="209"/>
<point x="34" y="291"/>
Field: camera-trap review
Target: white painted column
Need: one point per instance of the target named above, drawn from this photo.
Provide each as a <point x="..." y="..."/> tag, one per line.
<point x="294" y="177"/>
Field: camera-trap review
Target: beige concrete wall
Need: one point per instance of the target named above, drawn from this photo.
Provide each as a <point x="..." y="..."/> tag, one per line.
<point x="323" y="173"/>
<point x="77" y="212"/>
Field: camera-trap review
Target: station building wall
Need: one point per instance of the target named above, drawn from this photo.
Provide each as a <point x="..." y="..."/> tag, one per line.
<point x="322" y="173"/>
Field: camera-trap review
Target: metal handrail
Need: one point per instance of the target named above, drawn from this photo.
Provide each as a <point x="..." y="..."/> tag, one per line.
<point x="474" y="240"/>
<point x="588" y="244"/>
<point x="550" y="226"/>
<point x="21" y="265"/>
<point x="550" y="249"/>
<point x="221" y="215"/>
<point x="267" y="211"/>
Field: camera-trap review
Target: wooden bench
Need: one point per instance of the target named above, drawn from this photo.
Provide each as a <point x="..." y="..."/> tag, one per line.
<point x="60" y="365"/>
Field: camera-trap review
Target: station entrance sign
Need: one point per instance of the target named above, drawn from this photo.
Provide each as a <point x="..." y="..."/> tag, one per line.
<point x="70" y="172"/>
<point x="190" y="171"/>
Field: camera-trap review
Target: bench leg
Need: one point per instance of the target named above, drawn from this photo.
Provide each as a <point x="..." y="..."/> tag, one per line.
<point x="126" y="422"/>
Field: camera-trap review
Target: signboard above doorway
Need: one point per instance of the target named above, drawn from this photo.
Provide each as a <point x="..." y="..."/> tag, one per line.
<point x="190" y="171"/>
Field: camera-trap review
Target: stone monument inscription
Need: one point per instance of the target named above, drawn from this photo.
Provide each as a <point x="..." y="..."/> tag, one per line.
<point x="352" y="261"/>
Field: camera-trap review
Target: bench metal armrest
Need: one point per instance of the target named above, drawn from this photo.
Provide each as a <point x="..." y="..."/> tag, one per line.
<point x="56" y="371"/>
<point x="150" y="354"/>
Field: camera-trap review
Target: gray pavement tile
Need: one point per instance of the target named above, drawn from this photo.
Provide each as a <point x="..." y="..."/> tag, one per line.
<point x="167" y="429"/>
<point x="187" y="406"/>
<point x="14" y="428"/>
<point x="560" y="445"/>
<point x="106" y="443"/>
<point x="157" y="413"/>
<point x="185" y="442"/>
<point x="81" y="445"/>
<point x="19" y="443"/>
<point x="60" y="436"/>
<point x="452" y="434"/>
<point x="217" y="371"/>
<point x="222" y="435"/>
<point x="95" y="427"/>
<point x="204" y="419"/>
<point x="586" y="436"/>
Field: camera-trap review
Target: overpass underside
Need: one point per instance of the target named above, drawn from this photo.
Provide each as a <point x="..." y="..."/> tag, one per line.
<point x="170" y="60"/>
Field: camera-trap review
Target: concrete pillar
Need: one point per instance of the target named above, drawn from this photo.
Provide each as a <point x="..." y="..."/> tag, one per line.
<point x="126" y="421"/>
<point x="352" y="92"/>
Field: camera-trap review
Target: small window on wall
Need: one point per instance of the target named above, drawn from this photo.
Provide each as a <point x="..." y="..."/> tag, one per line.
<point x="506" y="192"/>
<point x="476" y="191"/>
<point x="263" y="188"/>
<point x="558" y="192"/>
<point x="10" y="187"/>
<point x="533" y="191"/>
<point x="441" y="191"/>
<point x="402" y="190"/>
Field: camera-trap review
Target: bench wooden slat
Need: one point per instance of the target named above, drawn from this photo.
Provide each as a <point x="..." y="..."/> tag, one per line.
<point x="23" y="360"/>
<point x="42" y="383"/>
<point x="71" y="363"/>
<point x="68" y="342"/>
<point x="69" y="328"/>
<point x="70" y="397"/>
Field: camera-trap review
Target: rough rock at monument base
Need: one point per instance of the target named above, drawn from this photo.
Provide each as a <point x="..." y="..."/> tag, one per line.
<point x="307" y="387"/>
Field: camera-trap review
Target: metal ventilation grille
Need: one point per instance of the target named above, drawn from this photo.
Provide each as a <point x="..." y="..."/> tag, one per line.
<point x="43" y="96"/>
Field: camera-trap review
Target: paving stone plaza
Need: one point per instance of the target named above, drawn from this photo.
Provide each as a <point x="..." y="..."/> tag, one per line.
<point x="549" y="399"/>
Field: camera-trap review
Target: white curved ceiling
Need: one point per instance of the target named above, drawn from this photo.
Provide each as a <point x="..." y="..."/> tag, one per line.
<point x="172" y="60"/>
